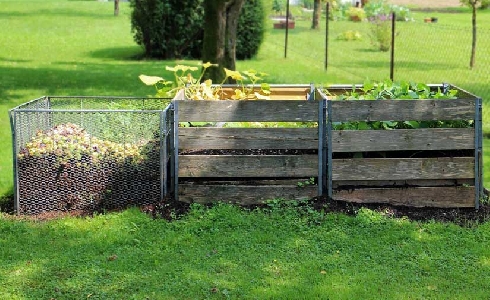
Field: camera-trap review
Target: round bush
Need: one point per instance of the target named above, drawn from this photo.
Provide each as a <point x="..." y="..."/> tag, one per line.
<point x="168" y="28"/>
<point x="250" y="31"/>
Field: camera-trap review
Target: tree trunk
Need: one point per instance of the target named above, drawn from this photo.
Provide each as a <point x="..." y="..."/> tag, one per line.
<point x="116" y="7"/>
<point x="473" y="42"/>
<point x="317" y="11"/>
<point x="219" y="45"/>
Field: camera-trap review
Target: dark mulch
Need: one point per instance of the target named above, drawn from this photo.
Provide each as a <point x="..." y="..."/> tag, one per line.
<point x="172" y="210"/>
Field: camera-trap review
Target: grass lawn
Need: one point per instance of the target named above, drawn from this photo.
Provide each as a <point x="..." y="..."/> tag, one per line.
<point x="227" y="252"/>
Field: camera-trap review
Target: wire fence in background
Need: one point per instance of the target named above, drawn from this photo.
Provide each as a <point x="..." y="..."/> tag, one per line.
<point x="434" y="52"/>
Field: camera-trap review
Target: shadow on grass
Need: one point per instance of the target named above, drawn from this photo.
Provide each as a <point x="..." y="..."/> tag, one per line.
<point x="84" y="79"/>
<point x="7" y="202"/>
<point x="59" y="13"/>
<point x="131" y="53"/>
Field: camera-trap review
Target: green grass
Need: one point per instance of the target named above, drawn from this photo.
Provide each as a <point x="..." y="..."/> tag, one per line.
<point x="227" y="252"/>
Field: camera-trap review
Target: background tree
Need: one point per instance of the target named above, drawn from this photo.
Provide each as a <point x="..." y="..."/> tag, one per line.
<point x="220" y="32"/>
<point x="474" y="4"/>
<point x="116" y="7"/>
<point x="317" y="12"/>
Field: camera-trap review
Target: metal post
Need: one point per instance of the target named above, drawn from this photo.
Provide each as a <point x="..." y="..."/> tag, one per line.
<point x="326" y="35"/>
<point x="163" y="154"/>
<point x="392" y="58"/>
<point x="175" y="150"/>
<point x="478" y="152"/>
<point x="13" y="117"/>
<point x="329" y="149"/>
<point x="321" y="147"/>
<point x="311" y="95"/>
<point x="287" y="30"/>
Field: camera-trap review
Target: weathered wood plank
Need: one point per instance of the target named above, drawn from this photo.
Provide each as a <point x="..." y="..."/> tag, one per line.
<point x="243" y="182"/>
<point x="403" y="168"/>
<point x="402" y="110"/>
<point x="248" y="138"/>
<point x="402" y="183"/>
<point x="248" y="165"/>
<point x="244" y="195"/>
<point x="248" y="111"/>
<point x="415" y="197"/>
<point x="403" y="139"/>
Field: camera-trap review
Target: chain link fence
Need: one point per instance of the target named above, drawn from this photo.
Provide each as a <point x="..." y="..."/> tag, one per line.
<point x="435" y="52"/>
<point x="90" y="153"/>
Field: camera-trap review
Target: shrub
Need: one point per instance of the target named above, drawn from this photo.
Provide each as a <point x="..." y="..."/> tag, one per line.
<point x="250" y="31"/>
<point x="171" y="29"/>
<point x="381" y="32"/>
<point x="168" y="28"/>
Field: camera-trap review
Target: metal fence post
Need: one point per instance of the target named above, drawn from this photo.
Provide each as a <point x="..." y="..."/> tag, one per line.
<point x="478" y="152"/>
<point x="175" y="150"/>
<point x="326" y="35"/>
<point x="13" y="123"/>
<point x="163" y="154"/>
<point x="329" y="149"/>
<point x="321" y="147"/>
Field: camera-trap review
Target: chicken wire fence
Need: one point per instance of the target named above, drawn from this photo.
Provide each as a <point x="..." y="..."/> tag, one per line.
<point x="90" y="153"/>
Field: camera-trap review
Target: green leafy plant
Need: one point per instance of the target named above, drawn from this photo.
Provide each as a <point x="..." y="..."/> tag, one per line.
<point x="387" y="89"/>
<point x="305" y="183"/>
<point x="206" y="90"/>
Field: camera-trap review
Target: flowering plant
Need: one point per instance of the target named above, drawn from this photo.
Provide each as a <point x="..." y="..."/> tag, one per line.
<point x="381" y="31"/>
<point x="206" y="90"/>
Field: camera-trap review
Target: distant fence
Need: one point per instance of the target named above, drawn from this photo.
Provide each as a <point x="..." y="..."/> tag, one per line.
<point x="423" y="52"/>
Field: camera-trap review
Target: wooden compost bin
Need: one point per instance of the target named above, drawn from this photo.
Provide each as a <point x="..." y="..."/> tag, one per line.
<point x="422" y="167"/>
<point x="437" y="167"/>
<point x="246" y="177"/>
<point x="247" y="165"/>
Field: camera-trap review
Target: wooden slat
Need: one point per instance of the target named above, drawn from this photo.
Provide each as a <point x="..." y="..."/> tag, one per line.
<point x="403" y="168"/>
<point x="401" y="183"/>
<point x="415" y="197"/>
<point x="402" y="110"/>
<point x="244" y="195"/>
<point x="248" y="165"/>
<point x="248" y="111"/>
<point x="248" y="138"/>
<point x="403" y="139"/>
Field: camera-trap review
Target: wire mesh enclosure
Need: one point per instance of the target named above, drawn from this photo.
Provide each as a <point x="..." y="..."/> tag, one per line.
<point x="90" y="153"/>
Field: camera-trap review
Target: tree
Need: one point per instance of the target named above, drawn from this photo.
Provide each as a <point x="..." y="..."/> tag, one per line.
<point x="474" y="4"/>
<point x="317" y="11"/>
<point x="220" y="28"/>
<point x="116" y="7"/>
